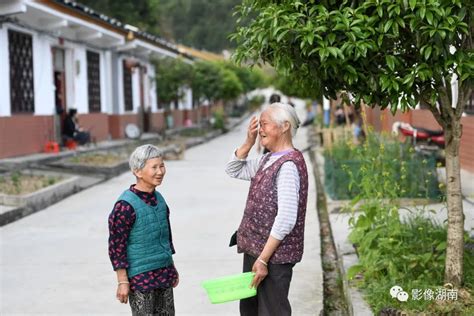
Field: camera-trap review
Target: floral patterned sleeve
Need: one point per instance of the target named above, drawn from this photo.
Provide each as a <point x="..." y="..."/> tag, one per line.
<point x="121" y="221"/>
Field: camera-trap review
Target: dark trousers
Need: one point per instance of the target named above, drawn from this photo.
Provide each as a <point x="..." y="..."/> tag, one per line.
<point x="272" y="293"/>
<point x="158" y="302"/>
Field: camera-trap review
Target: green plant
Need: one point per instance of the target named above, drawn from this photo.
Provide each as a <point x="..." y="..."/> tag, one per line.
<point x="256" y="102"/>
<point x="16" y="180"/>
<point x="409" y="253"/>
<point x="218" y="120"/>
<point x="386" y="157"/>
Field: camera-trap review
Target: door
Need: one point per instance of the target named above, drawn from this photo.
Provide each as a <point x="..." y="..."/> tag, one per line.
<point x="59" y="79"/>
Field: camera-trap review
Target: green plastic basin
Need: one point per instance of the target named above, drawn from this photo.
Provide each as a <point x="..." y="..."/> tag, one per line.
<point x="230" y="288"/>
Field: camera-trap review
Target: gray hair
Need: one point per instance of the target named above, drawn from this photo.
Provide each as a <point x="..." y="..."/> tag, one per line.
<point x="281" y="113"/>
<point x="141" y="154"/>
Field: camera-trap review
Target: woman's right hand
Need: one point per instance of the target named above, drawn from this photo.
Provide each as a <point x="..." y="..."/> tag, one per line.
<point x="252" y="131"/>
<point x="122" y="292"/>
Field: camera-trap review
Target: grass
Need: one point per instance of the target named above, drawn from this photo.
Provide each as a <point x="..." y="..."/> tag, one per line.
<point x="414" y="261"/>
<point x="18" y="183"/>
<point x="98" y="159"/>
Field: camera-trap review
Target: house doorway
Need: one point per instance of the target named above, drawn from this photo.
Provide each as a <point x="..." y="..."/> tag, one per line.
<point x="59" y="79"/>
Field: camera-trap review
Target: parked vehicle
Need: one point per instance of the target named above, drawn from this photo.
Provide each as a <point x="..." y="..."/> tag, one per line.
<point x="425" y="141"/>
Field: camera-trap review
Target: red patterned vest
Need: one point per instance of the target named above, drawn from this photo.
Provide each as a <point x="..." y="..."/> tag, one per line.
<point x="262" y="208"/>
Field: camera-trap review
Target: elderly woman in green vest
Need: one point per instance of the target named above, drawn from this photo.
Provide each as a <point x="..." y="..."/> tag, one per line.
<point x="140" y="242"/>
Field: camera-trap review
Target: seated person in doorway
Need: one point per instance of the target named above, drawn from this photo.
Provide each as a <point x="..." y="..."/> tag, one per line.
<point x="72" y="130"/>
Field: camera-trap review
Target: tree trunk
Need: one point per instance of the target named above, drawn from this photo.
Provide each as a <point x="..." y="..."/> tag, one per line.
<point x="455" y="242"/>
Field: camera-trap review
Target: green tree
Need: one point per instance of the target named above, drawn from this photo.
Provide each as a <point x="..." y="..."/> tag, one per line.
<point x="212" y="81"/>
<point x="295" y="87"/>
<point x="171" y="76"/>
<point x="206" y="79"/>
<point x="250" y="78"/>
<point x="388" y="53"/>
<point x="229" y="86"/>
<point x="144" y="14"/>
<point x="202" y="24"/>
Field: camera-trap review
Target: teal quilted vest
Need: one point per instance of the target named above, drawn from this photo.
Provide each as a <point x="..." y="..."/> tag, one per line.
<point x="148" y="244"/>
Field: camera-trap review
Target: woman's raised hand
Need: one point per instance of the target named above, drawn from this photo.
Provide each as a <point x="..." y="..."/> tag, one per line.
<point x="252" y="131"/>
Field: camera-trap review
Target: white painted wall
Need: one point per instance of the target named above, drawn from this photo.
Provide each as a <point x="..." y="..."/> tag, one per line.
<point x="43" y="75"/>
<point x="104" y="98"/>
<point x="80" y="80"/>
<point x="152" y="99"/>
<point x="70" y="68"/>
<point x="121" y="98"/>
<point x="44" y="102"/>
<point x="186" y="103"/>
<point x="136" y="89"/>
<point x="4" y="73"/>
<point x="107" y="87"/>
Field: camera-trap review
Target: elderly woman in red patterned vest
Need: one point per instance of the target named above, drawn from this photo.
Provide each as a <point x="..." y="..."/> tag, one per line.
<point x="271" y="233"/>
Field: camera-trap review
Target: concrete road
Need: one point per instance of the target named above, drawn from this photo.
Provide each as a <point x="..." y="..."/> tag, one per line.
<point x="55" y="262"/>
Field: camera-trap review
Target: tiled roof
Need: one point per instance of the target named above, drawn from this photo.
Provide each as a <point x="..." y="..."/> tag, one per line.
<point x="83" y="9"/>
<point x="205" y="55"/>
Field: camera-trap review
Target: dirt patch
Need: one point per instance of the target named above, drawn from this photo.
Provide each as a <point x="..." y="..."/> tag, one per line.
<point x="98" y="159"/>
<point x="18" y="183"/>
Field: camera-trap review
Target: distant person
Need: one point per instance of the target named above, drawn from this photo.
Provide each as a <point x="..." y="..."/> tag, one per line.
<point x="140" y="241"/>
<point x="340" y="116"/>
<point x="310" y="114"/>
<point x="271" y="233"/>
<point x="291" y="102"/>
<point x="72" y="130"/>
<point x="275" y="97"/>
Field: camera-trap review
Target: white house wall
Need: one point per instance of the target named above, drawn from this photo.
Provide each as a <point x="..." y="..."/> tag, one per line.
<point x="44" y="102"/>
<point x="136" y="89"/>
<point x="120" y="96"/>
<point x="43" y="75"/>
<point x="4" y="74"/>
<point x="108" y="86"/>
<point x="186" y="103"/>
<point x="152" y="99"/>
<point x="80" y="81"/>
<point x="104" y="100"/>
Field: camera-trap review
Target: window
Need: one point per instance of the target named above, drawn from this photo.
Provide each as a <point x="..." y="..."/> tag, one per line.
<point x="20" y="49"/>
<point x="127" y="86"/>
<point x="93" y="81"/>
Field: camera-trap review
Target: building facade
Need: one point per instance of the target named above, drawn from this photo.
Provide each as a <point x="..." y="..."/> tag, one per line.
<point x="58" y="55"/>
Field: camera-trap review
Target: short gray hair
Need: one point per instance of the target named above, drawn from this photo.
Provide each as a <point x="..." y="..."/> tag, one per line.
<point x="141" y="154"/>
<point x="281" y="113"/>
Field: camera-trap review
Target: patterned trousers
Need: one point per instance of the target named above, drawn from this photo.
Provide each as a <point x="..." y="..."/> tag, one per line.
<point x="158" y="302"/>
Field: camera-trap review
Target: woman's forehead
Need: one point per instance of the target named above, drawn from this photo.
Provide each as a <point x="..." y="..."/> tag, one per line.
<point x="156" y="160"/>
<point x="265" y="116"/>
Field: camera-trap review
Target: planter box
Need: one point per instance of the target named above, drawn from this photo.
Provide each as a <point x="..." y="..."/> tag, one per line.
<point x="43" y="196"/>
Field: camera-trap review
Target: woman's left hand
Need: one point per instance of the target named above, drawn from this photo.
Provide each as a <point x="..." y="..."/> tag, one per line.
<point x="122" y="292"/>
<point x="176" y="282"/>
<point x="260" y="271"/>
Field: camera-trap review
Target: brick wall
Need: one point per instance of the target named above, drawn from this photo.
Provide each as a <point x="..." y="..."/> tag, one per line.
<point x="97" y="124"/>
<point x="383" y="120"/>
<point x="117" y="124"/>
<point x="466" y="153"/>
<point x="24" y="134"/>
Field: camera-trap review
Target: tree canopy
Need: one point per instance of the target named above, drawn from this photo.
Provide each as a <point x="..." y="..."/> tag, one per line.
<point x="387" y="52"/>
<point x="201" y="24"/>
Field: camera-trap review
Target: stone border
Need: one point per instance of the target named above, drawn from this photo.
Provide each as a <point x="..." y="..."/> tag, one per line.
<point x="336" y="297"/>
<point x="33" y="198"/>
<point x="32" y="202"/>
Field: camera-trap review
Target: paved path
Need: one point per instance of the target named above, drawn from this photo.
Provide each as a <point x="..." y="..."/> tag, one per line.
<point x="55" y="262"/>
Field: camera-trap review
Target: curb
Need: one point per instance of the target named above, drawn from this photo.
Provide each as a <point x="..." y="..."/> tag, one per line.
<point x="335" y="295"/>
